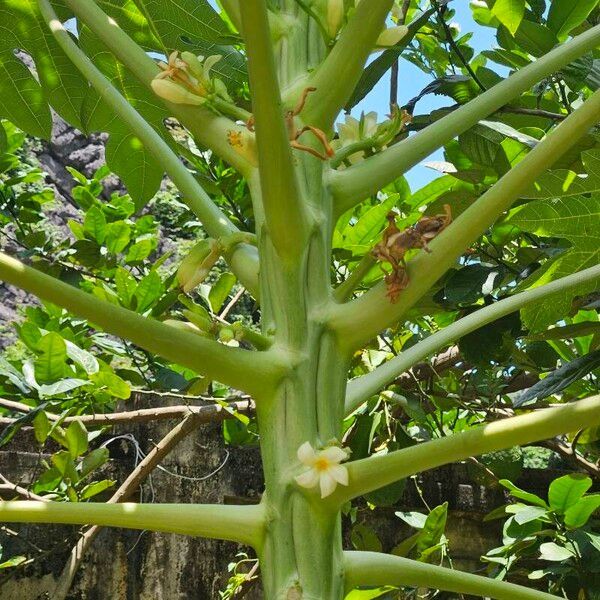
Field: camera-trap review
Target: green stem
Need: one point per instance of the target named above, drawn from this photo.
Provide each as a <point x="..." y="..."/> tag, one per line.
<point x="344" y="291"/>
<point x="361" y="389"/>
<point x="208" y="128"/>
<point x="279" y="188"/>
<point x="373" y="568"/>
<point x="242" y="369"/>
<point x="366" y="178"/>
<point x="232" y="8"/>
<point x="377" y="471"/>
<point x="360" y="320"/>
<point x="244" y="260"/>
<point x="338" y="75"/>
<point x="236" y="523"/>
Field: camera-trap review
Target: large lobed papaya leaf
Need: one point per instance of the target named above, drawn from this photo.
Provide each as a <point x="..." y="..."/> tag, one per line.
<point x="157" y="26"/>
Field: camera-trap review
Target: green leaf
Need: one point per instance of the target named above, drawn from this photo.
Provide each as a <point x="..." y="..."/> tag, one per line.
<point x="369" y="225"/>
<point x="220" y="290"/>
<point x="95" y="459"/>
<point x="535" y="38"/>
<point x="526" y="513"/>
<point x="510" y="13"/>
<point x="61" y="387"/>
<point x="126" y="286"/>
<point x="85" y="359"/>
<point x="118" y="235"/>
<point x="115" y="386"/>
<point x="559" y="379"/>
<point x="148" y="291"/>
<point x="93" y="489"/>
<point x="517" y="492"/>
<point x="139" y="251"/>
<point x="471" y="283"/>
<point x="50" y="365"/>
<point x="566" y="15"/>
<point x="555" y="553"/>
<point x="76" y="438"/>
<point x="566" y="491"/>
<point x="414" y="519"/>
<point x="433" y="530"/>
<point x="41" y="427"/>
<point x="15" y="561"/>
<point x="66" y="467"/>
<point x="579" y="514"/>
<point x="574" y="218"/>
<point x="562" y="182"/>
<point x="61" y="83"/>
<point x="365" y="539"/>
<point x="94" y="224"/>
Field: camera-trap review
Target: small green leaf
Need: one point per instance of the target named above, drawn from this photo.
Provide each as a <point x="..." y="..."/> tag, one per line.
<point x="118" y="235"/>
<point x="220" y="290"/>
<point x="76" y="437"/>
<point x="93" y="489"/>
<point x="66" y="467"/>
<point x="365" y="539"/>
<point x="94" y="224"/>
<point x="50" y="365"/>
<point x="41" y="427"/>
<point x="139" y="251"/>
<point x="522" y="494"/>
<point x="510" y="13"/>
<point x="566" y="491"/>
<point x="115" y="386"/>
<point x="566" y="15"/>
<point x="96" y="458"/>
<point x="148" y="291"/>
<point x="555" y="553"/>
<point x="579" y="513"/>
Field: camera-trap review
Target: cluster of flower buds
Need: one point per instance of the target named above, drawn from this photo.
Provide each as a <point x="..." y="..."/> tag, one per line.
<point x="186" y="79"/>
<point x="365" y="133"/>
<point x="196" y="266"/>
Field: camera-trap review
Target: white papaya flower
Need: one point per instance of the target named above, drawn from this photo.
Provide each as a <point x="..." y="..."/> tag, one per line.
<point x="324" y="468"/>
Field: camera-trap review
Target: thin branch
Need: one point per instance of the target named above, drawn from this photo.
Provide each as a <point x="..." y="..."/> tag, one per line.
<point x="212" y="413"/>
<point x="375" y="569"/>
<point x="363" y="318"/>
<point x="361" y="389"/>
<point x="279" y="187"/>
<point x="569" y="453"/>
<point x="450" y="39"/>
<point x="377" y="471"/>
<point x="9" y="486"/>
<point x="214" y="220"/>
<point x="242" y="369"/>
<point x="338" y="75"/>
<point x="367" y="177"/>
<point x="344" y="291"/>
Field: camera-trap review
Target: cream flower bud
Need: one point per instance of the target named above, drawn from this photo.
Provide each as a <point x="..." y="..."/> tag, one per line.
<point x="324" y="468"/>
<point x="197" y="264"/>
<point x="175" y="93"/>
<point x="391" y="36"/>
<point x="335" y="16"/>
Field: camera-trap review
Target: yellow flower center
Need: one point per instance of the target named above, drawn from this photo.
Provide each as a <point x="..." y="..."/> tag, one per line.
<point x="322" y="464"/>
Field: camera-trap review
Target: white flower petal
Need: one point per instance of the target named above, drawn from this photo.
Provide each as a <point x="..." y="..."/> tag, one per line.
<point x="306" y="454"/>
<point x="328" y="484"/>
<point x="333" y="454"/>
<point x="309" y="479"/>
<point x="339" y="473"/>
